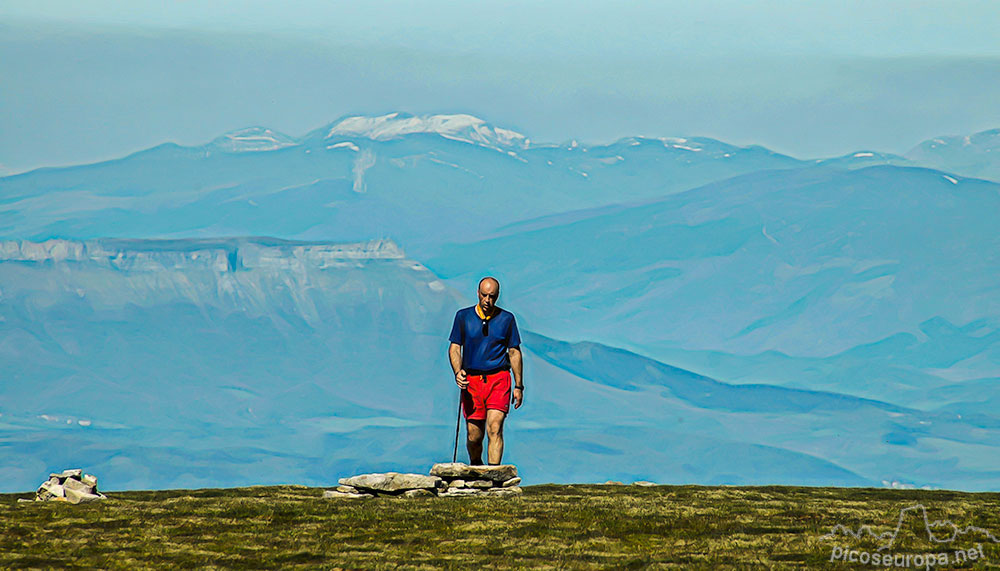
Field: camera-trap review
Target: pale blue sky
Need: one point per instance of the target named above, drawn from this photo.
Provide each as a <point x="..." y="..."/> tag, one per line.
<point x="85" y="81"/>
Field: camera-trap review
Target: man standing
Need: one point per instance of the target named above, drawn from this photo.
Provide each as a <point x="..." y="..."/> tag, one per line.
<point x="485" y="348"/>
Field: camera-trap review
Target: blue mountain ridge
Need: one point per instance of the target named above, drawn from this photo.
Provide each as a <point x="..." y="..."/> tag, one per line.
<point x="322" y="187"/>
<point x="237" y="361"/>
<point x="974" y="155"/>
<point x="879" y="282"/>
<point x="351" y="187"/>
<point x="869" y="437"/>
<point x="625" y="370"/>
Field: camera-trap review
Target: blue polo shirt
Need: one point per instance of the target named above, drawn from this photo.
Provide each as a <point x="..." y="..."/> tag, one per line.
<point x="485" y="354"/>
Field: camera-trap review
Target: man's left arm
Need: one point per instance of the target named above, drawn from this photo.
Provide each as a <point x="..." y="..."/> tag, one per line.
<point x="516" y="368"/>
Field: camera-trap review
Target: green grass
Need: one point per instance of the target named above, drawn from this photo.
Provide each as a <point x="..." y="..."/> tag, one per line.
<point x="550" y="526"/>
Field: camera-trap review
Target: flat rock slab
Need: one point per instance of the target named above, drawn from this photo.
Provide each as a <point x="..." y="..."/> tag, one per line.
<point x="461" y="493"/>
<point x="499" y="473"/>
<point x="391" y="482"/>
<point x="511" y="491"/>
<point x="48" y="490"/>
<point x="72" y="484"/>
<point x="79" y="497"/>
<point x="344" y="495"/>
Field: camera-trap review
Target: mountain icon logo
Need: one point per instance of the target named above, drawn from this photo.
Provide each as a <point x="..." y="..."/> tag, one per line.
<point x="937" y="531"/>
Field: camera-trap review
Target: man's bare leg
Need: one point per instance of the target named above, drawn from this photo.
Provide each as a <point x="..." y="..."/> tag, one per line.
<point x="475" y="429"/>
<point x="494" y="427"/>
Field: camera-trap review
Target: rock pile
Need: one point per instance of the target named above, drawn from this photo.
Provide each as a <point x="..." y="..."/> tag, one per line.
<point x="465" y="480"/>
<point x="444" y="481"/>
<point x="71" y="486"/>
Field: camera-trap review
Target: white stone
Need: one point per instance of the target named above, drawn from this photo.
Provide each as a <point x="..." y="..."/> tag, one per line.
<point x="480" y="484"/>
<point x="77" y="473"/>
<point x="392" y="482"/>
<point x="511" y="491"/>
<point x="644" y="483"/>
<point x="49" y="490"/>
<point x="460" y="492"/>
<point x="512" y="482"/>
<point x="343" y="495"/>
<point x="79" y="497"/>
<point x="450" y="470"/>
<point x="499" y="473"/>
<point x="419" y="493"/>
<point x="77" y="485"/>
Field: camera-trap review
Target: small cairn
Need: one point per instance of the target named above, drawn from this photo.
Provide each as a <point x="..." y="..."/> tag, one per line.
<point x="71" y="486"/>
<point x="451" y="480"/>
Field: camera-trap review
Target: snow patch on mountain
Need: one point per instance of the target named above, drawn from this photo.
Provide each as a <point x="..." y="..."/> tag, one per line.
<point x="864" y="158"/>
<point x="364" y="161"/>
<point x="681" y="143"/>
<point x="343" y="145"/>
<point x="704" y="145"/>
<point x="252" y="139"/>
<point x="465" y="128"/>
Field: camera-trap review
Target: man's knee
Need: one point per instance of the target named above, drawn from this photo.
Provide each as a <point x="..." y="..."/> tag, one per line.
<point x="495" y="427"/>
<point x="475" y="431"/>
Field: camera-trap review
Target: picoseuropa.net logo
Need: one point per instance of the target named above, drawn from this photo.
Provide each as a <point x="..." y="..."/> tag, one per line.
<point x="949" y="544"/>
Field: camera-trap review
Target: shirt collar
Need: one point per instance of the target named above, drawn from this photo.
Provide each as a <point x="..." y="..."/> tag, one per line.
<point x="479" y="312"/>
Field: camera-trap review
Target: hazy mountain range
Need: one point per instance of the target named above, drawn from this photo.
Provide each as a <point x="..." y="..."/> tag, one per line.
<point x="198" y="362"/>
<point x="395" y="176"/>
<point x="693" y="311"/>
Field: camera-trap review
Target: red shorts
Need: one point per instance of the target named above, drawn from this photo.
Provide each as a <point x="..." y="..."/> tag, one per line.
<point x="491" y="391"/>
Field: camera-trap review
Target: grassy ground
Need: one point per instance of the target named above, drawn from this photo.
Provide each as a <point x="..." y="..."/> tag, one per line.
<point x="550" y="526"/>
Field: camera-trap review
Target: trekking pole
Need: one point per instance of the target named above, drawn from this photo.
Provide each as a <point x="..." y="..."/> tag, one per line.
<point x="458" y="422"/>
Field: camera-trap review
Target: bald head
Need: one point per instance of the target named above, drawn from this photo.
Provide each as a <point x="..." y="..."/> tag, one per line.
<point x="489" y="291"/>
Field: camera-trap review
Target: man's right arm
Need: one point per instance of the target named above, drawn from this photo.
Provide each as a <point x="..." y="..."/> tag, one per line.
<point x="455" y="356"/>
